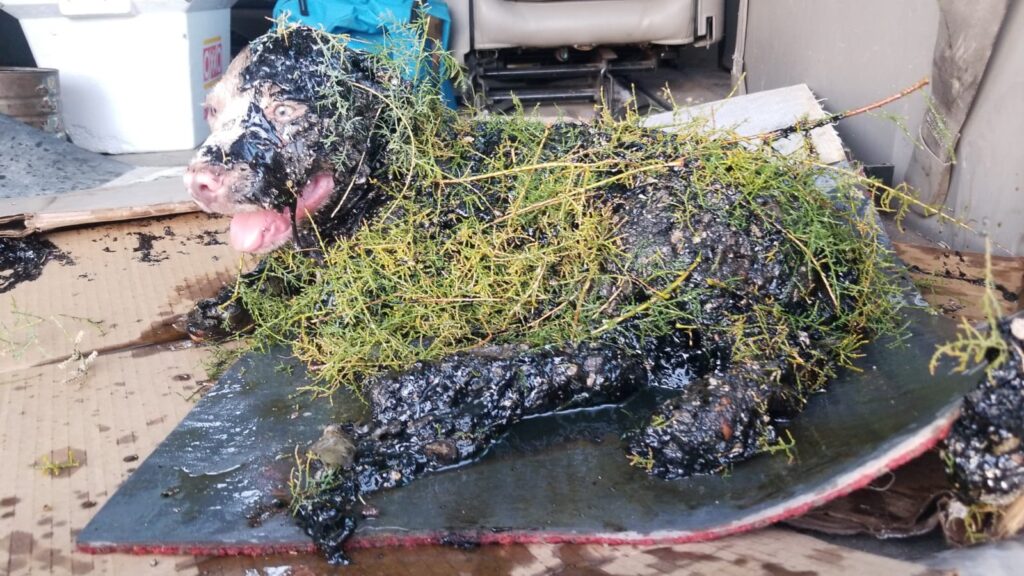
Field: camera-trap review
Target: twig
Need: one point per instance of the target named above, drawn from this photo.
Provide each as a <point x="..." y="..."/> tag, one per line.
<point x="355" y="173"/>
<point x="833" y="118"/>
<point x="664" y="295"/>
<point x="529" y="168"/>
<point x="902" y="196"/>
<point x="813" y="260"/>
<point x="405" y="122"/>
<point x="584" y="189"/>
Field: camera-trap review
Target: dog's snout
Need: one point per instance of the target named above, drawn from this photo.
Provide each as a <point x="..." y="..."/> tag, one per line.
<point x="205" y="182"/>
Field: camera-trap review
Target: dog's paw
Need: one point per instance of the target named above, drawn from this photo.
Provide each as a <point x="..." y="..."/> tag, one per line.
<point x="215" y="319"/>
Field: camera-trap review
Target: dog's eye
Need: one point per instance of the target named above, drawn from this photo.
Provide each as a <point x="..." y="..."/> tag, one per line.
<point x="284" y="112"/>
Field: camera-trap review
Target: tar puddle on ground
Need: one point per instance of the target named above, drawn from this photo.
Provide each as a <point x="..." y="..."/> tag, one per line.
<point x="23" y="259"/>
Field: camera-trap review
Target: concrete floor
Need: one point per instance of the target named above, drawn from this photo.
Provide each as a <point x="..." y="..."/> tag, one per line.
<point x="169" y="158"/>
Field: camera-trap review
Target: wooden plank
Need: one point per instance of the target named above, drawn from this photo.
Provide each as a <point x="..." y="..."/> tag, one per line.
<point x="953" y="281"/>
<point x="761" y="112"/>
<point x="160" y="196"/>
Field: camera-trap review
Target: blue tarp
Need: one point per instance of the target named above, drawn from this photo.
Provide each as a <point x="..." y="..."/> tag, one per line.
<point x="355" y="17"/>
<point x="367" y="22"/>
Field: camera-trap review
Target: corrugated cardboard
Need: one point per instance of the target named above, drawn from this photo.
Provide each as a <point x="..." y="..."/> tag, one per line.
<point x="108" y="421"/>
<point x="141" y="193"/>
<point x="769" y="552"/>
<point x="122" y="287"/>
<point x="953" y="281"/>
<point x="113" y="289"/>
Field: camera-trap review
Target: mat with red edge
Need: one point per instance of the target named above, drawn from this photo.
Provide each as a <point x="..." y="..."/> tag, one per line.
<point x="212" y="487"/>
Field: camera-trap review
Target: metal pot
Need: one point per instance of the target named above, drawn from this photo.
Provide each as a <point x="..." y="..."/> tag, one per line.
<point x="32" y="95"/>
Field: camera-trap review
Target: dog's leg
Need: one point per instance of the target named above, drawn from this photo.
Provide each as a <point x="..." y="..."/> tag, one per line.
<point x="442" y="413"/>
<point x="439" y="414"/>
<point x="217" y="318"/>
<point x="716" y="420"/>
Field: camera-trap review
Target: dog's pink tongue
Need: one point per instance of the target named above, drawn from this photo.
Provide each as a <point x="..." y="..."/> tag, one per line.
<point x="260" y="231"/>
<point x="264" y="230"/>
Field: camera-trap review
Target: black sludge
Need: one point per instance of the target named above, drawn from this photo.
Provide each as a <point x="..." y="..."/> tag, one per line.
<point x="22" y="259"/>
<point x="444" y="413"/>
<point x="705" y="297"/>
<point x="985" y="443"/>
<point x="294" y="65"/>
<point x="714" y="422"/>
<point x="441" y="414"/>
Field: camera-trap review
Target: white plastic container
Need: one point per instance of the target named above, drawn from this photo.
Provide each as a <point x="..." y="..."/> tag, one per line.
<point x="133" y="74"/>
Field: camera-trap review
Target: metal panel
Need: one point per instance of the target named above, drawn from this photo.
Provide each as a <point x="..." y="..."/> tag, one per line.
<point x="215" y="485"/>
<point x="504" y="23"/>
<point x="849" y="53"/>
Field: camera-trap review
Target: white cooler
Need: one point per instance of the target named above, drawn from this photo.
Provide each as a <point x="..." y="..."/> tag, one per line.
<point x="133" y="74"/>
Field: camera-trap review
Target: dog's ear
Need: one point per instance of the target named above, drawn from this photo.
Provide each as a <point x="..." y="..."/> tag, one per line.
<point x="239" y="62"/>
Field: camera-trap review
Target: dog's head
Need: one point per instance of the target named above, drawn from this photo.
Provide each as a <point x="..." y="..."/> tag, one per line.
<point x="290" y="123"/>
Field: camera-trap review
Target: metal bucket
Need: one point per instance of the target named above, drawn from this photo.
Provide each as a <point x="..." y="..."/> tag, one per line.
<point x="32" y="95"/>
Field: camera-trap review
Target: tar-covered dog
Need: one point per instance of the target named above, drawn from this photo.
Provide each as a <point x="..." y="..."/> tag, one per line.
<point x="294" y="168"/>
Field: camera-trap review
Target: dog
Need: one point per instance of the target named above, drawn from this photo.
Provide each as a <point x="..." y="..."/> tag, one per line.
<point x="290" y="169"/>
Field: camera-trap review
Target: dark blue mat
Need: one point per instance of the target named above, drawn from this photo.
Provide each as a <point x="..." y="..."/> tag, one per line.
<point x="211" y="487"/>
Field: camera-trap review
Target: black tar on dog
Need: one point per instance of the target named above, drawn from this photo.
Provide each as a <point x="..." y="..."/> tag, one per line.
<point x="285" y="162"/>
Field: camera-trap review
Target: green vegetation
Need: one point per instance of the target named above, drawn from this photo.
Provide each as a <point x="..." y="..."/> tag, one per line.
<point x="52" y="468"/>
<point x="500" y="232"/>
<point x="644" y="462"/>
<point x="974" y="346"/>
<point x="784" y="445"/>
<point x="308" y="479"/>
<point x="221" y="357"/>
<point x="980" y="522"/>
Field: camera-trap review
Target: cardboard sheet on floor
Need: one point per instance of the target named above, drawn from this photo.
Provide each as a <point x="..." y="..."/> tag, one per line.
<point x="121" y="285"/>
<point x="210" y="487"/>
<point x="67" y="446"/>
<point x="954" y="279"/>
<point x="141" y="193"/>
<point x="771" y="551"/>
<point x="68" y="439"/>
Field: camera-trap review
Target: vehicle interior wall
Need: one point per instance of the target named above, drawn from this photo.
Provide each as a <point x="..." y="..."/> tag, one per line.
<point x="987" y="186"/>
<point x="851" y="54"/>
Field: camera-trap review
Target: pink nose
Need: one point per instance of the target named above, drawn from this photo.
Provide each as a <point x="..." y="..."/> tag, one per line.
<point x="205" y="183"/>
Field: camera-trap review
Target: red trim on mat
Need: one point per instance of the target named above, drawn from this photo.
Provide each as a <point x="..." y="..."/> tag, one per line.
<point x="936" y="432"/>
